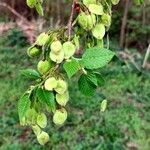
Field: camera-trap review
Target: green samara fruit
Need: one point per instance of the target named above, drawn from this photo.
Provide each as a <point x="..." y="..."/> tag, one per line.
<point x="96" y="9"/>
<point x="31" y="116"/>
<point x="86" y="21"/>
<point x="106" y="19"/>
<point x="36" y="129"/>
<point x="60" y="116"/>
<point x="115" y="2"/>
<point x="69" y="49"/>
<point x="23" y="121"/>
<point x="103" y="105"/>
<point x="62" y="99"/>
<point x="50" y="84"/>
<point x="33" y="52"/>
<point x="98" y="31"/>
<point x="43" y="138"/>
<point x="61" y="86"/>
<point x="42" y="39"/>
<point x="87" y="2"/>
<point x="82" y="20"/>
<point x="42" y="120"/>
<point x="58" y="58"/>
<point x="31" y="3"/>
<point x="43" y="66"/>
<point x="56" y="47"/>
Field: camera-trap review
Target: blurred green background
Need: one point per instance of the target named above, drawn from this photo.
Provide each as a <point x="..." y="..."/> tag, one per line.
<point x="125" y="125"/>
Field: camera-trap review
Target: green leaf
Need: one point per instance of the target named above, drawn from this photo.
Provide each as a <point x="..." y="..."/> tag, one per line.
<point x="30" y="73"/>
<point x="95" y="58"/>
<point x="100" y="79"/>
<point x="71" y="67"/>
<point x="92" y="78"/>
<point x="86" y="87"/>
<point x="47" y="97"/>
<point x="23" y="105"/>
<point x="103" y="105"/>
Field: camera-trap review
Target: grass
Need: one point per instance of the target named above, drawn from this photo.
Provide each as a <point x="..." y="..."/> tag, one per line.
<point x="124" y="125"/>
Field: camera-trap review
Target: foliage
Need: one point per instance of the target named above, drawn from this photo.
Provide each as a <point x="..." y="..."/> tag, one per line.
<point x="16" y="36"/>
<point x="124" y="124"/>
<point x="56" y="49"/>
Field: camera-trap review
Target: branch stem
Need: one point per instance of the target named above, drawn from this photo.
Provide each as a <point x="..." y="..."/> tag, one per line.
<point x="70" y="20"/>
<point x="3" y="4"/>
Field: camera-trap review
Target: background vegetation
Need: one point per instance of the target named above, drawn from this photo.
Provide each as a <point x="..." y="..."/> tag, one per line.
<point x="125" y="125"/>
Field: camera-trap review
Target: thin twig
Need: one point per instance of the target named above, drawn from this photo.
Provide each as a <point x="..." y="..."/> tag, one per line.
<point x="22" y="22"/>
<point x="70" y="20"/>
<point x="3" y="4"/>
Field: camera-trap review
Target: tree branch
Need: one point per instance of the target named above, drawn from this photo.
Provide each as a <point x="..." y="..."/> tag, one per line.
<point x="3" y="4"/>
<point x="27" y="27"/>
<point x="70" y="20"/>
<point x="124" y="22"/>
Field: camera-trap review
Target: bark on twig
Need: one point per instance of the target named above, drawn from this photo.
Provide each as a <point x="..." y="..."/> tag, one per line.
<point x="28" y="28"/>
<point x="70" y="20"/>
<point x="3" y="4"/>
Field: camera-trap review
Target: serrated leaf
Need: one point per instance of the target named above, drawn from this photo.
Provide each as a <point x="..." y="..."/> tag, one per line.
<point x="92" y="78"/>
<point x="47" y="97"/>
<point x="103" y="105"/>
<point x="100" y="79"/>
<point x="30" y="73"/>
<point x="23" y="105"/>
<point x="86" y="87"/>
<point x="71" y="67"/>
<point x="95" y="58"/>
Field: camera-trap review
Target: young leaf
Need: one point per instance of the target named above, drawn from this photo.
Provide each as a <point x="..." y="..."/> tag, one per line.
<point x="86" y="87"/>
<point x="71" y="67"/>
<point x="30" y="73"/>
<point x="103" y="105"/>
<point x="95" y="58"/>
<point x="23" y="105"/>
<point x="39" y="9"/>
<point x="47" y="97"/>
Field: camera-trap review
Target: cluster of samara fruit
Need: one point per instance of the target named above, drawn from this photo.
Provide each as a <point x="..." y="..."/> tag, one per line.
<point x="54" y="49"/>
